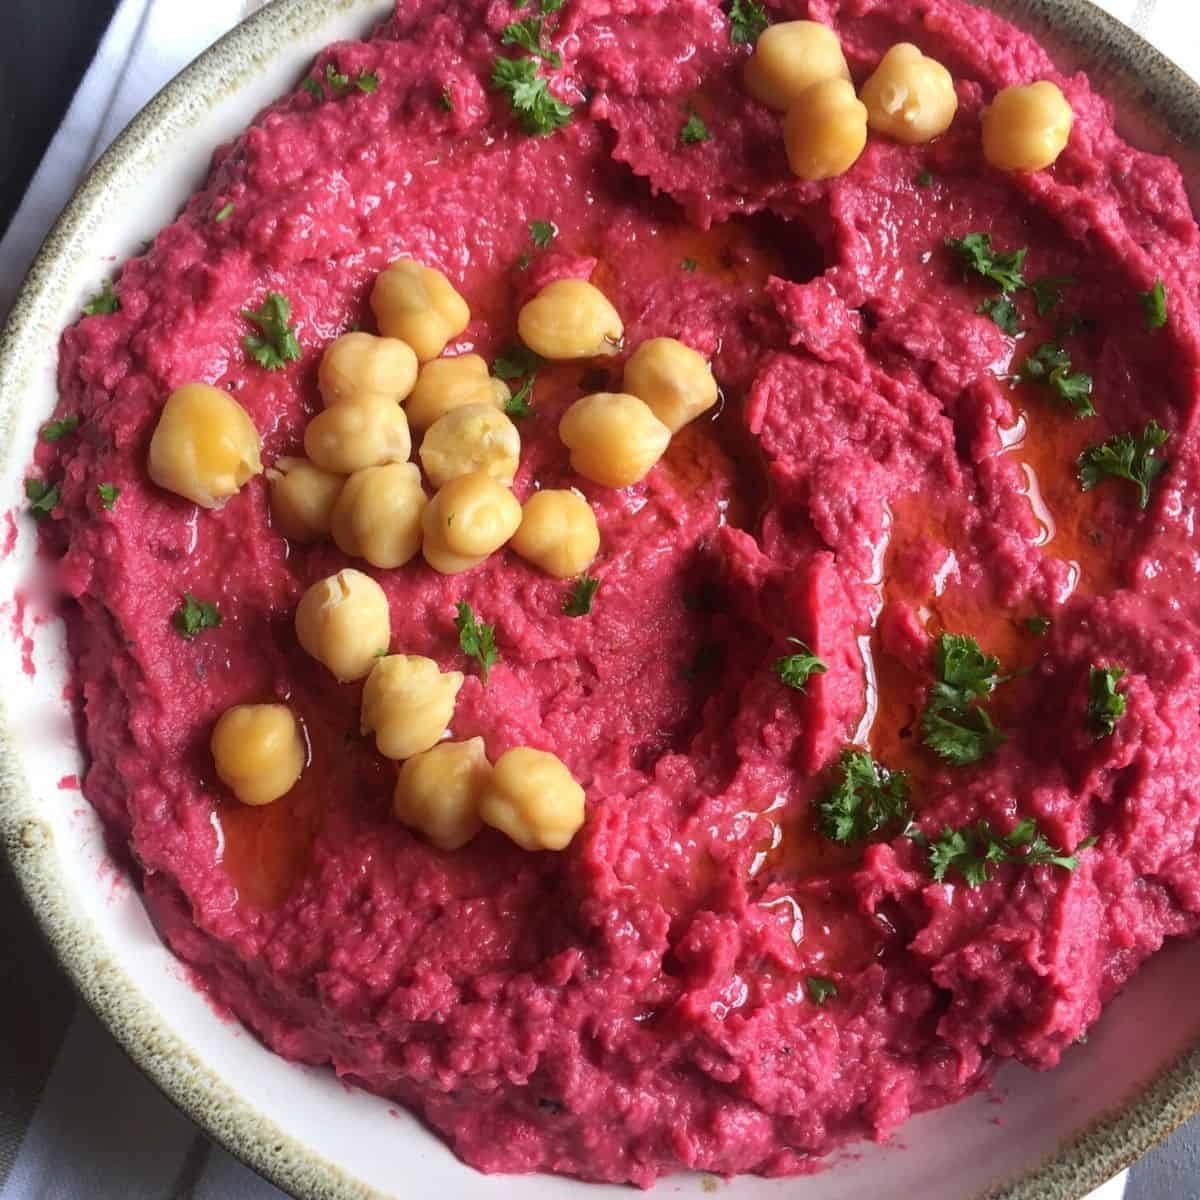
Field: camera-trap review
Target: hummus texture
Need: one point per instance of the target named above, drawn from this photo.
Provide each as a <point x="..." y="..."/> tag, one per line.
<point x="637" y="1003"/>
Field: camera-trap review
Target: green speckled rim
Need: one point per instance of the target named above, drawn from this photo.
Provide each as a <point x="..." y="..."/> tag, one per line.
<point x="1140" y="75"/>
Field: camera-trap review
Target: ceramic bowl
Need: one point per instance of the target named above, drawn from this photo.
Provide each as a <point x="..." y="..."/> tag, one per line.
<point x="1052" y="1136"/>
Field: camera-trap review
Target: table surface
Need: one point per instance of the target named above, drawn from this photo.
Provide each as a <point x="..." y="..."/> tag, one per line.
<point x="48" y="47"/>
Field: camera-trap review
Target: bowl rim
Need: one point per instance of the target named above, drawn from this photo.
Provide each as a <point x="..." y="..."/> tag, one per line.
<point x="1083" y="1161"/>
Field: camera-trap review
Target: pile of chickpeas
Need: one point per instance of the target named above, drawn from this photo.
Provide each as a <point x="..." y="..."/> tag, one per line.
<point x="357" y="485"/>
<point x="798" y="68"/>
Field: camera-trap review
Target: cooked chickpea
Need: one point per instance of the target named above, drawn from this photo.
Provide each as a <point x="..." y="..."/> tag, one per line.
<point x="613" y="437"/>
<point x="790" y="57"/>
<point x="910" y="97"/>
<point x="343" y="622"/>
<point x="449" y="383"/>
<point x="204" y="446"/>
<point x="476" y="437"/>
<point x="418" y="305"/>
<point x="672" y="380"/>
<point x="1026" y="127"/>
<point x="570" y="318"/>
<point x="558" y="533"/>
<point x="359" y="368"/>
<point x="352" y="437"/>
<point x="378" y="515"/>
<point x="438" y="792"/>
<point x="469" y="518"/>
<point x="532" y="797"/>
<point x="258" y="751"/>
<point x="302" y="498"/>
<point x="825" y="130"/>
<point x="407" y="703"/>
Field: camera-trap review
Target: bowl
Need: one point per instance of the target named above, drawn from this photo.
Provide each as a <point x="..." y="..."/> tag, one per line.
<point x="1053" y="1136"/>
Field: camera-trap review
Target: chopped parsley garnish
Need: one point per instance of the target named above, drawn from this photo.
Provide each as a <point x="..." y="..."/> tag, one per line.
<point x="1154" y="306"/>
<point x="278" y="345"/>
<point x="796" y="669"/>
<point x="865" y="799"/>
<point x="820" y="989"/>
<point x="224" y="212"/>
<point x="336" y="79"/>
<point x="1125" y="456"/>
<point x="542" y="233"/>
<point x="1105" y="703"/>
<point x="1051" y="364"/>
<point x="1038" y="626"/>
<point x="689" y="264"/>
<point x="517" y="405"/>
<point x="694" y="130"/>
<point x="518" y="361"/>
<point x="1002" y="267"/>
<point x="43" y="497"/>
<point x="1047" y="293"/>
<point x="476" y="640"/>
<point x="924" y="179"/>
<point x="103" y="302"/>
<point x="446" y="100"/>
<point x="194" y="616"/>
<point x="54" y="431"/>
<point x="367" y="81"/>
<point x="528" y="35"/>
<point x="314" y="89"/>
<point x="1004" y="313"/>
<point x="578" y="602"/>
<point x="955" y="724"/>
<point x="747" y="20"/>
<point x="537" y="110"/>
<point x="974" y="852"/>
<point x="108" y="493"/>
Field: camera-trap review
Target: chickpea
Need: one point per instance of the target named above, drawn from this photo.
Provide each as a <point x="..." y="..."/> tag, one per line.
<point x="407" y="703"/>
<point x="449" y="383"/>
<point x="467" y="520"/>
<point x="438" y="792"/>
<point x="1027" y="127"/>
<point x="258" y="751"/>
<point x="570" y="318"/>
<point x="613" y="437"/>
<point x="476" y="437"/>
<point x="790" y="57"/>
<point x="418" y="305"/>
<point x="532" y="797"/>
<point x="910" y="97"/>
<point x="344" y="622"/>
<point x="302" y="498"/>
<point x="204" y="446"/>
<point x="359" y="368"/>
<point x="825" y="131"/>
<point x="672" y="380"/>
<point x="558" y="533"/>
<point x="378" y="515"/>
<point x="352" y="437"/>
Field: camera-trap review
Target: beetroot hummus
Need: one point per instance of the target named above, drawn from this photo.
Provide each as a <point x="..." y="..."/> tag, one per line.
<point x="705" y="977"/>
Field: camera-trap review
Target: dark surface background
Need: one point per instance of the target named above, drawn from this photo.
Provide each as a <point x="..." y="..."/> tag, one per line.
<point x="45" y="48"/>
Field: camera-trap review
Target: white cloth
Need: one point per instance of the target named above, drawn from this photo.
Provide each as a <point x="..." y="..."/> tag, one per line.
<point x="74" y="1148"/>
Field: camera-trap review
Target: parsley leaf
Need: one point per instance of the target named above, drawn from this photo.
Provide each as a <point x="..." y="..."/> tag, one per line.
<point x="43" y="497"/>
<point x="796" y="669"/>
<point x="865" y="799"/>
<point x="578" y="602"/>
<point x="820" y="989"/>
<point x="224" y="212"/>
<point x="108" y="493"/>
<point x="1051" y="365"/>
<point x="537" y="109"/>
<point x="367" y="81"/>
<point x="964" y="672"/>
<point x="1003" y="312"/>
<point x="961" y="737"/>
<point x="1125" y="456"/>
<point x="103" y="302"/>
<point x="314" y="89"/>
<point x="694" y="130"/>
<point x="974" y="852"/>
<point x="194" y="616"/>
<point x="54" y="431"/>
<point x="1038" y="626"/>
<point x="1154" y="306"/>
<point x="1105" y="703"/>
<point x="517" y="405"/>
<point x="476" y="640"/>
<point x="955" y="725"/>
<point x="337" y="80"/>
<point x="747" y="20"/>
<point x="689" y="264"/>
<point x="1047" y="293"/>
<point x="542" y="233"/>
<point x="278" y="345"/>
<point x="528" y="35"/>
<point x="976" y="254"/>
<point x="518" y="361"/>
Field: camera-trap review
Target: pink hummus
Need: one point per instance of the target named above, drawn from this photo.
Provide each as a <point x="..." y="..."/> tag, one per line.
<point x="637" y="1004"/>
